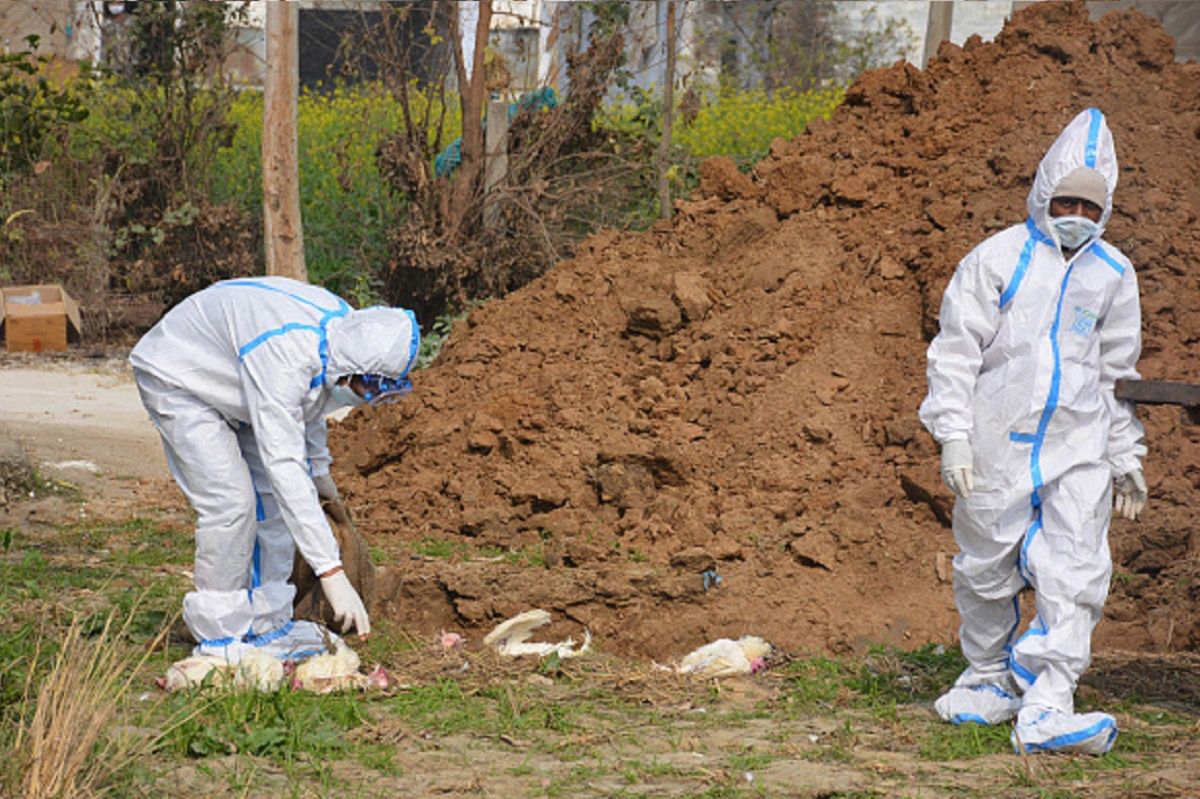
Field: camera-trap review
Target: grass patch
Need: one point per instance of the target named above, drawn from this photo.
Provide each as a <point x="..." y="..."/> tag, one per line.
<point x="30" y="574"/>
<point x="888" y="675"/>
<point x="750" y="761"/>
<point x="386" y="643"/>
<point x="439" y="549"/>
<point x="441" y="707"/>
<point x="880" y="681"/>
<point x="281" y="726"/>
<point x="964" y="741"/>
<point x="597" y="725"/>
<point x="816" y="681"/>
<point x="64" y="743"/>
<point x="532" y="555"/>
<point x="89" y="556"/>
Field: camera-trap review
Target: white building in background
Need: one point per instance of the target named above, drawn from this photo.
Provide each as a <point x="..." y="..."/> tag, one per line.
<point x="534" y="36"/>
<point x="67" y="29"/>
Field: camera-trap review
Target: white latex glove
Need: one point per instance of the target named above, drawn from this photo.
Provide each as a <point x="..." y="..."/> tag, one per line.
<point x="326" y="488"/>
<point x="347" y="605"/>
<point x="957" y="462"/>
<point x="1131" y="494"/>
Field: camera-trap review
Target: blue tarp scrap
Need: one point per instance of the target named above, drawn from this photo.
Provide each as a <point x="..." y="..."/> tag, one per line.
<point x="449" y="159"/>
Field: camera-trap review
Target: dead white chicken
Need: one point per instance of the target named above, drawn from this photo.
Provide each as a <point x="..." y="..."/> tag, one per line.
<point x="324" y="674"/>
<point x="724" y="657"/>
<point x="511" y="637"/>
<point x="191" y="672"/>
<point x="258" y="671"/>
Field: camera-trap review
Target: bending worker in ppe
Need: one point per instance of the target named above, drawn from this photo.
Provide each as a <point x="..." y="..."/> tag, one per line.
<point x="238" y="379"/>
<point x="1036" y="325"/>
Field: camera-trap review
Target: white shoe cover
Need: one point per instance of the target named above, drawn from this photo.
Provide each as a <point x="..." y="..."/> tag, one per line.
<point x="296" y="641"/>
<point x="1040" y="729"/>
<point x="227" y="650"/>
<point x="986" y="703"/>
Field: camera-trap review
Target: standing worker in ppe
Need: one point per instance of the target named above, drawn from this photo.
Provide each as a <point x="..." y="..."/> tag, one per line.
<point x="238" y="379"/>
<point x="1037" y="324"/>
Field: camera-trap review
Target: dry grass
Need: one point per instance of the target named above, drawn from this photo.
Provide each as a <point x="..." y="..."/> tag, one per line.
<point x="65" y="747"/>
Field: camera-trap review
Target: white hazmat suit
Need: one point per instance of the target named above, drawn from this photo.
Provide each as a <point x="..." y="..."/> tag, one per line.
<point x="236" y="378"/>
<point x="1023" y="369"/>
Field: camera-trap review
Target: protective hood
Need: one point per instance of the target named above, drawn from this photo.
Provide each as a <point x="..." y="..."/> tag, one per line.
<point x="379" y="341"/>
<point x="1085" y="142"/>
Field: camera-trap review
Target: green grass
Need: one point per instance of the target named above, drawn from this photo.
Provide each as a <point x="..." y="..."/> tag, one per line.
<point x="439" y="548"/>
<point x="749" y="761"/>
<point x="880" y="681"/>
<point x="444" y="707"/>
<point x="964" y="741"/>
<point x="19" y="655"/>
<point x="532" y="555"/>
<point x="280" y="726"/>
<point x="596" y="726"/>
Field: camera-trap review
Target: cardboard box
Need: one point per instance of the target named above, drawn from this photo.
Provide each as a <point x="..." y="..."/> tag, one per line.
<point x="40" y="318"/>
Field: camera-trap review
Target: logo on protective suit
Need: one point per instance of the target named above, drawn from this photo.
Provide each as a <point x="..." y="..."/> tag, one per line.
<point x="1085" y="321"/>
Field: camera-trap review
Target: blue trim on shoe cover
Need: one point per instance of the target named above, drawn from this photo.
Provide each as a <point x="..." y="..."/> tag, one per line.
<point x="996" y="689"/>
<point x="273" y="635"/>
<point x="217" y="642"/>
<point x="968" y="718"/>
<point x="303" y="654"/>
<point x="1071" y="738"/>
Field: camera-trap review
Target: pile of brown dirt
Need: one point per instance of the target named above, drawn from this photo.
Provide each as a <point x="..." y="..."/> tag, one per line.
<point x="737" y="391"/>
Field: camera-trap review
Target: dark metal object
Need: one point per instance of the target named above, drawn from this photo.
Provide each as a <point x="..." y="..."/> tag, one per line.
<point x="1162" y="392"/>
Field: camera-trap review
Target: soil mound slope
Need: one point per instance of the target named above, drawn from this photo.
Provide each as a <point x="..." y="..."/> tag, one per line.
<point x="736" y="392"/>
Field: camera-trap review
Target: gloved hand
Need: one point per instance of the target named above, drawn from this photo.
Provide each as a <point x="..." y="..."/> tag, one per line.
<point x="957" y="463"/>
<point x="347" y="605"/>
<point x="326" y="488"/>
<point x="1131" y="494"/>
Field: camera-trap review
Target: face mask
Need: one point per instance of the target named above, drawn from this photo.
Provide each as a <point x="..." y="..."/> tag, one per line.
<point x="342" y="394"/>
<point x="1073" y="231"/>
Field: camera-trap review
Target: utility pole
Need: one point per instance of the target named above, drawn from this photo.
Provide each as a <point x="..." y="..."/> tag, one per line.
<point x="495" y="141"/>
<point x="664" y="144"/>
<point x="283" y="234"/>
<point x="941" y="17"/>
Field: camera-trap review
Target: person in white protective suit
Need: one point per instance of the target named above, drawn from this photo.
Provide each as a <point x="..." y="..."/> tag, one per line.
<point x="238" y="379"/>
<point x="1037" y="324"/>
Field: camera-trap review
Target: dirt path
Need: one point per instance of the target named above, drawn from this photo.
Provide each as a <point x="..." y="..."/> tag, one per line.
<point x="82" y="425"/>
<point x="79" y="416"/>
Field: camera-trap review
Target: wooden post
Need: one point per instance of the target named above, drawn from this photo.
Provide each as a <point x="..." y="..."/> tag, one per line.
<point x="664" y="144"/>
<point x="283" y="234"/>
<point x="941" y="17"/>
<point x="496" y="160"/>
<point x="464" y="184"/>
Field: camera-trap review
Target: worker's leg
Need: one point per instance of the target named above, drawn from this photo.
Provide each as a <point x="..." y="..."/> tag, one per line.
<point x="273" y="630"/>
<point x="988" y="528"/>
<point x="1069" y="566"/>
<point x="203" y="455"/>
<point x="274" y="548"/>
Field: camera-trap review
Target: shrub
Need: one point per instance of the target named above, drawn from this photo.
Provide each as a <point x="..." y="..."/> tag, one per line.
<point x="741" y="123"/>
<point x="34" y="110"/>
<point x="346" y="206"/>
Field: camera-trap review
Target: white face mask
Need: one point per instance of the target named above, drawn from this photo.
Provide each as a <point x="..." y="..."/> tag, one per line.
<point x="342" y="394"/>
<point x="1074" y="231"/>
